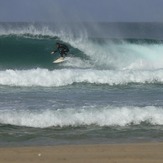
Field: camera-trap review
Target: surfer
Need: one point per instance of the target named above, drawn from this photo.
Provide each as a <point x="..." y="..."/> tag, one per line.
<point x="62" y="49"/>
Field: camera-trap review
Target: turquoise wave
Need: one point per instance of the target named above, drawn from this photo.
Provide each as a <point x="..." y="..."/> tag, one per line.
<point x="24" y="52"/>
<point x="29" y="48"/>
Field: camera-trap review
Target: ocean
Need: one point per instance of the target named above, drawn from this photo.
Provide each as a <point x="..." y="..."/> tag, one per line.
<point x="109" y="89"/>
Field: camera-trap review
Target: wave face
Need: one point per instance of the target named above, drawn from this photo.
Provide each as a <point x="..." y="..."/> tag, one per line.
<point x="22" y="52"/>
<point x="30" y="47"/>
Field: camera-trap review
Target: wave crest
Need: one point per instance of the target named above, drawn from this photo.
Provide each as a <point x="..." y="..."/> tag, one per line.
<point x="63" y="77"/>
<point x="107" y="116"/>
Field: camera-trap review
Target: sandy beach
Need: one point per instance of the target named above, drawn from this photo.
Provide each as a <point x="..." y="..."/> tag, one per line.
<point x="123" y="153"/>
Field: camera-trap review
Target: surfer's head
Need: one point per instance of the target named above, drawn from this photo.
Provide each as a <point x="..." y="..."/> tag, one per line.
<point x="57" y="44"/>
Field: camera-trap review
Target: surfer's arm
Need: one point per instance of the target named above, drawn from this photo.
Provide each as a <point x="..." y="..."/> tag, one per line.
<point x="53" y="51"/>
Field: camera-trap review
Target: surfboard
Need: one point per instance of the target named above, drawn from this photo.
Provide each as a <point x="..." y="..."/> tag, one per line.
<point x="59" y="60"/>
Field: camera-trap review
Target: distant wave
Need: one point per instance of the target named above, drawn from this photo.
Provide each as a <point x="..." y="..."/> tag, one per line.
<point x="106" y="116"/>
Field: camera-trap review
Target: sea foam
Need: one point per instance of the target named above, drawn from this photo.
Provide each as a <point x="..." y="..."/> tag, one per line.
<point x="104" y="116"/>
<point x="64" y="77"/>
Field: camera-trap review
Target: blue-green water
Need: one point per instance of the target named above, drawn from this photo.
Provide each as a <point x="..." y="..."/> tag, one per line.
<point x="106" y="91"/>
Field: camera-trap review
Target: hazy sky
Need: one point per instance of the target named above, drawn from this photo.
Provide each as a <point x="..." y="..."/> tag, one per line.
<point x="81" y="10"/>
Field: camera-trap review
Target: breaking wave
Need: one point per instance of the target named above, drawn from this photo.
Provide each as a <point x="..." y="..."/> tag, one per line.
<point x="106" y="116"/>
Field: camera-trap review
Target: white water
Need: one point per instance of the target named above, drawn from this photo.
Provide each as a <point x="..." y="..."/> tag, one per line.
<point x="63" y="77"/>
<point x="106" y="116"/>
<point x="122" y="55"/>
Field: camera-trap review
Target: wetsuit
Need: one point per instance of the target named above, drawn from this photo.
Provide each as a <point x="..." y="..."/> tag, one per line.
<point x="63" y="49"/>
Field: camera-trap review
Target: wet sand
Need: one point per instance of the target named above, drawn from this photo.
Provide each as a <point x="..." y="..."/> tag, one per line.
<point x="122" y="153"/>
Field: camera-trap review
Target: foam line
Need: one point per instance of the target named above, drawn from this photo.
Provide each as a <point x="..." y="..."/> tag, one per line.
<point x="63" y="77"/>
<point x="105" y="116"/>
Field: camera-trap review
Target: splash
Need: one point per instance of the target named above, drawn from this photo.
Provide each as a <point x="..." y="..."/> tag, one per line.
<point x="64" y="77"/>
<point x="106" y="116"/>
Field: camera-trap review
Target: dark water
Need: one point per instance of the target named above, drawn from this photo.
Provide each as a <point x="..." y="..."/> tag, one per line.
<point x="108" y="90"/>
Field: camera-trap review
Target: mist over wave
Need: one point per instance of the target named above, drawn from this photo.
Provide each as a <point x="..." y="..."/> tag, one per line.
<point x="122" y="55"/>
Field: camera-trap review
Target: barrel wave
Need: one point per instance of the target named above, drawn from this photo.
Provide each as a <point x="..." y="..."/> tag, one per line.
<point x="25" y="59"/>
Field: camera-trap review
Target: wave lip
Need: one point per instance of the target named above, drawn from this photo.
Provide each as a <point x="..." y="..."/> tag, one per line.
<point x="106" y="116"/>
<point x="64" y="77"/>
<point x="26" y="29"/>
